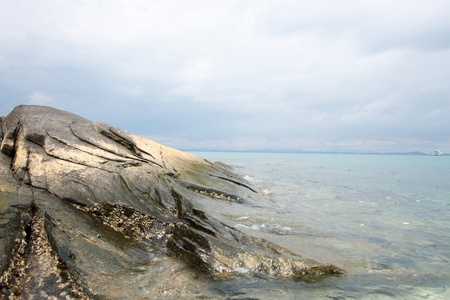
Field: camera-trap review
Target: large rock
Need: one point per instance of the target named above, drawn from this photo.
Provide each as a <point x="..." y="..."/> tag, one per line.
<point x="87" y="207"/>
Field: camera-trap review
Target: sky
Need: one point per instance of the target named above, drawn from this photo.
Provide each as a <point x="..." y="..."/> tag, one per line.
<point x="347" y="75"/>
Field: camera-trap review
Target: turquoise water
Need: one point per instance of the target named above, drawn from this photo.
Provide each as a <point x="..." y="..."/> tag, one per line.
<point x="383" y="218"/>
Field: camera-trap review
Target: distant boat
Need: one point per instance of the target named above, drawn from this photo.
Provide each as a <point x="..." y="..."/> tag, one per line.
<point x="437" y="153"/>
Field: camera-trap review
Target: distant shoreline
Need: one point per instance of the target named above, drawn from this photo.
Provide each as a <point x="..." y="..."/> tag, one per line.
<point x="315" y="152"/>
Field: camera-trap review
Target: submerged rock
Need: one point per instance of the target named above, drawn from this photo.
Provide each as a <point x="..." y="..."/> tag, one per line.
<point x="87" y="207"/>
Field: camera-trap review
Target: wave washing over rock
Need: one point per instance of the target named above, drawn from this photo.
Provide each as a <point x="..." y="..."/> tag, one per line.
<point x="89" y="210"/>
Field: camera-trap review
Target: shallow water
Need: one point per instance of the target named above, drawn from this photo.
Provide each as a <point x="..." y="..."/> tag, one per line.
<point x="383" y="218"/>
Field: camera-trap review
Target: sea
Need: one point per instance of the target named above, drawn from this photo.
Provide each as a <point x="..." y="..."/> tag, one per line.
<point x="385" y="219"/>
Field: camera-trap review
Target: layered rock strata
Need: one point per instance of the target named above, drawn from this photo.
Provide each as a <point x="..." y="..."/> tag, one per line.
<point x="83" y="203"/>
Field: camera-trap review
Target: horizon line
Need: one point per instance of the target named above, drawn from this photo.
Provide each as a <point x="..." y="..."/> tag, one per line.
<point x="314" y="152"/>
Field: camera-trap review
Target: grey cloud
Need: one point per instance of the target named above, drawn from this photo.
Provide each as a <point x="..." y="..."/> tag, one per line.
<point x="287" y="74"/>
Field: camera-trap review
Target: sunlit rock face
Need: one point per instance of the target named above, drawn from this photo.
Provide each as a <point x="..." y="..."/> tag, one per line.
<point x="90" y="210"/>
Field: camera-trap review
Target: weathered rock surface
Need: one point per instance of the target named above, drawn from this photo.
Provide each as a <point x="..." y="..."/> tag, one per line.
<point x="87" y="207"/>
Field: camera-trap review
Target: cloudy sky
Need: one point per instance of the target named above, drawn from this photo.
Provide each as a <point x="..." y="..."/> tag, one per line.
<point x="337" y="75"/>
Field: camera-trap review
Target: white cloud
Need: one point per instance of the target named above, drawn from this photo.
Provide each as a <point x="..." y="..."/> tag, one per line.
<point x="132" y="91"/>
<point x="198" y="70"/>
<point x="38" y="98"/>
<point x="375" y="111"/>
<point x="269" y="70"/>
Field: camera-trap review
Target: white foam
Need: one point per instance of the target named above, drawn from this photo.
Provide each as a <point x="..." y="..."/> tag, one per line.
<point x="248" y="178"/>
<point x="271" y="228"/>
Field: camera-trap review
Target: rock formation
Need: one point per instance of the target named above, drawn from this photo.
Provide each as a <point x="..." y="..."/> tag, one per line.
<point x="86" y="207"/>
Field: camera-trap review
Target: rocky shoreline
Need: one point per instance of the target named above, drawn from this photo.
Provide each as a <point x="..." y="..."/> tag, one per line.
<point x="87" y="208"/>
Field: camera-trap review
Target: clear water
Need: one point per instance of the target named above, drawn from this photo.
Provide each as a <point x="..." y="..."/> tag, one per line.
<point x="385" y="219"/>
